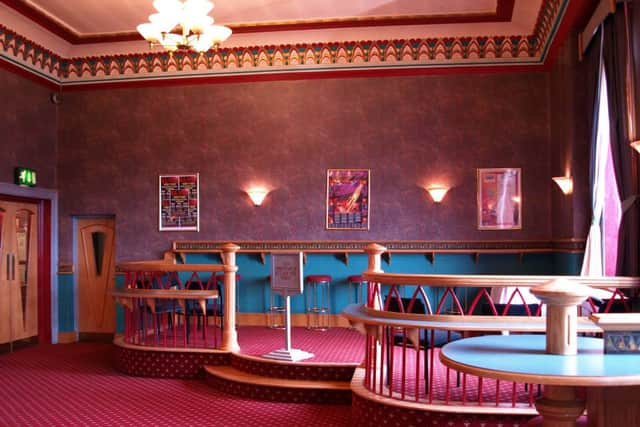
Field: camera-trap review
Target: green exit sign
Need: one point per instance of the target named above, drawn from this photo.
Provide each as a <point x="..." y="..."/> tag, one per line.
<point x="25" y="177"/>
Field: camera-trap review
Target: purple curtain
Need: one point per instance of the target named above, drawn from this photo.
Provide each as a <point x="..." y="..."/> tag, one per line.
<point x="614" y="51"/>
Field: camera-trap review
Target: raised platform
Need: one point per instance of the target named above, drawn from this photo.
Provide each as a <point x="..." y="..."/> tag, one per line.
<point x="323" y="378"/>
<point x="331" y="377"/>
<point x="336" y="352"/>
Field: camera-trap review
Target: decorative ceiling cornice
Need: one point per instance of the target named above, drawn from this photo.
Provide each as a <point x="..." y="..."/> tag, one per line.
<point x="503" y="13"/>
<point x="354" y="56"/>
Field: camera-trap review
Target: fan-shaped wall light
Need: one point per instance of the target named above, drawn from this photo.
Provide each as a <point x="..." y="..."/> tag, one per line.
<point x="257" y="195"/>
<point x="565" y="183"/>
<point x="437" y="192"/>
<point x="636" y="145"/>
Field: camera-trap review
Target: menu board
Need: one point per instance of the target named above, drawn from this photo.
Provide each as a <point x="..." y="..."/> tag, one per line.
<point x="179" y="196"/>
<point x="286" y="273"/>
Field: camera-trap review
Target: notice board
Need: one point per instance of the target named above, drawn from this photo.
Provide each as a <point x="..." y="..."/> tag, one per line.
<point x="286" y="273"/>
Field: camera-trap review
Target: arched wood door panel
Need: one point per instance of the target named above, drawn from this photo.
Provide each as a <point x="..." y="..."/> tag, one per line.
<point x="18" y="271"/>
<point x="96" y="275"/>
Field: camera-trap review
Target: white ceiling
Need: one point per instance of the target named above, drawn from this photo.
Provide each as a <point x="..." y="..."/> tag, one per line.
<point x="87" y="17"/>
<point x="90" y="17"/>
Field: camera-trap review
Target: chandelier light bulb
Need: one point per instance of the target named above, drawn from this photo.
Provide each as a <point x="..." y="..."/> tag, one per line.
<point x="183" y="25"/>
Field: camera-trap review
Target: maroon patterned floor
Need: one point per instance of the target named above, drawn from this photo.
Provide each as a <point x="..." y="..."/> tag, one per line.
<point x="335" y="345"/>
<point x="77" y="385"/>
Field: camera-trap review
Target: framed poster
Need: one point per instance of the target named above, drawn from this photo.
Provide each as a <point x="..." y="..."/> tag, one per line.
<point x="179" y="202"/>
<point x="499" y="199"/>
<point x="286" y="273"/>
<point x="348" y="199"/>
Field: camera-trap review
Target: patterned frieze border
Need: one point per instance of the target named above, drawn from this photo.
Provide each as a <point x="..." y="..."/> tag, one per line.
<point x="24" y="53"/>
<point x="343" y="56"/>
<point x="393" y="246"/>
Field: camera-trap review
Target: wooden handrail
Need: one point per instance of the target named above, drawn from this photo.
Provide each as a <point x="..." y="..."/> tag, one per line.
<point x="359" y="314"/>
<point x="489" y="281"/>
<point x="165" y="267"/>
<point x="228" y="266"/>
<point x="164" y="293"/>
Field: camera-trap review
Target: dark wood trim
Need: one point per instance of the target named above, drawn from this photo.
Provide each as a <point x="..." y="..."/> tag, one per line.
<point x="65" y="268"/>
<point x="430" y="247"/>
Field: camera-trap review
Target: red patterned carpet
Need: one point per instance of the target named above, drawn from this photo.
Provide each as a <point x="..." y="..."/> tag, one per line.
<point x="77" y="385"/>
<point x="337" y="345"/>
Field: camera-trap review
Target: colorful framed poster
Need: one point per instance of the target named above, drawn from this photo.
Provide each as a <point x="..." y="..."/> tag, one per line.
<point x="179" y="202"/>
<point x="499" y="199"/>
<point x="348" y="193"/>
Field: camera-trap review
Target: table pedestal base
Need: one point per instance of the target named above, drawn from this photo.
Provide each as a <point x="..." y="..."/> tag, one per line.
<point x="613" y="406"/>
<point x="559" y="406"/>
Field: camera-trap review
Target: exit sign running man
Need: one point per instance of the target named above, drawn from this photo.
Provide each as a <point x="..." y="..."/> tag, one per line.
<point x="25" y="177"/>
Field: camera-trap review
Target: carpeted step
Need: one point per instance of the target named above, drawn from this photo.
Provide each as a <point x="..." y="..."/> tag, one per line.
<point x="241" y="383"/>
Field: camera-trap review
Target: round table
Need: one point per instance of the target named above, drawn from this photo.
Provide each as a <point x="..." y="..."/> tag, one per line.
<point x="613" y="395"/>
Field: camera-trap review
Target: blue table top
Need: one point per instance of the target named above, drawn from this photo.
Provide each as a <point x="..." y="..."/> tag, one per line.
<point x="523" y="358"/>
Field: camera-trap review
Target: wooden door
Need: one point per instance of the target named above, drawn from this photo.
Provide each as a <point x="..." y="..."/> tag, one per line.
<point x="96" y="274"/>
<point x="19" y="271"/>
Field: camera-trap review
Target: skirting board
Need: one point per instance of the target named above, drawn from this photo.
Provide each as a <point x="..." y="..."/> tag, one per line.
<point x="67" y="337"/>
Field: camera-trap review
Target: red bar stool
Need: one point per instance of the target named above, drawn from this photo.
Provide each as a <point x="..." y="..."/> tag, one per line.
<point x="356" y="284"/>
<point x="276" y="310"/>
<point x="318" y="301"/>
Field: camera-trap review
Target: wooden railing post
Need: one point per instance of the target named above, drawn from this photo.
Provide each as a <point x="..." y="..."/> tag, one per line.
<point x="374" y="253"/>
<point x="229" y="334"/>
<point x="562" y="299"/>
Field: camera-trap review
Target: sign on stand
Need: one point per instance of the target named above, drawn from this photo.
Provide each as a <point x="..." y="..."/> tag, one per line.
<point x="287" y="280"/>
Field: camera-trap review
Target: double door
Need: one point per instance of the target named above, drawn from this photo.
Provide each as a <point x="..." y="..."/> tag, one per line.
<point x="18" y="271"/>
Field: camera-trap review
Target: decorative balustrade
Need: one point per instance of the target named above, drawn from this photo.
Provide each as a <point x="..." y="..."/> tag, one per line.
<point x="404" y="333"/>
<point x="180" y="305"/>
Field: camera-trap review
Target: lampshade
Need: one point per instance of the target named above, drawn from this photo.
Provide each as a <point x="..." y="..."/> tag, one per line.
<point x="183" y="25"/>
<point x="437" y="193"/>
<point x="565" y="183"/>
<point x="257" y="195"/>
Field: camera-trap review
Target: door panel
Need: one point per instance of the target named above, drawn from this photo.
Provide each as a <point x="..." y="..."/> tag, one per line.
<point x="19" y="268"/>
<point x="96" y="275"/>
<point x="5" y="278"/>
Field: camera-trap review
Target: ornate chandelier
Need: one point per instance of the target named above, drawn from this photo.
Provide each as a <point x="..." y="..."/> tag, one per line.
<point x="183" y="25"/>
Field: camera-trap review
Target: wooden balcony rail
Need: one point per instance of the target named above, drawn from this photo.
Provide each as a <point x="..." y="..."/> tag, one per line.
<point x="165" y="308"/>
<point x="408" y="317"/>
<point x="170" y="317"/>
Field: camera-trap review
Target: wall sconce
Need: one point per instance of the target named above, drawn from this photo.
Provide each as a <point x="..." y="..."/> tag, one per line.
<point x="636" y="145"/>
<point x="257" y="195"/>
<point x="437" y="193"/>
<point x="565" y="183"/>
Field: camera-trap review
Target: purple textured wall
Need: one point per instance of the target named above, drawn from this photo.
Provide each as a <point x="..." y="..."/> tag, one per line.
<point x="410" y="131"/>
<point x="570" y="141"/>
<point x="28" y="125"/>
